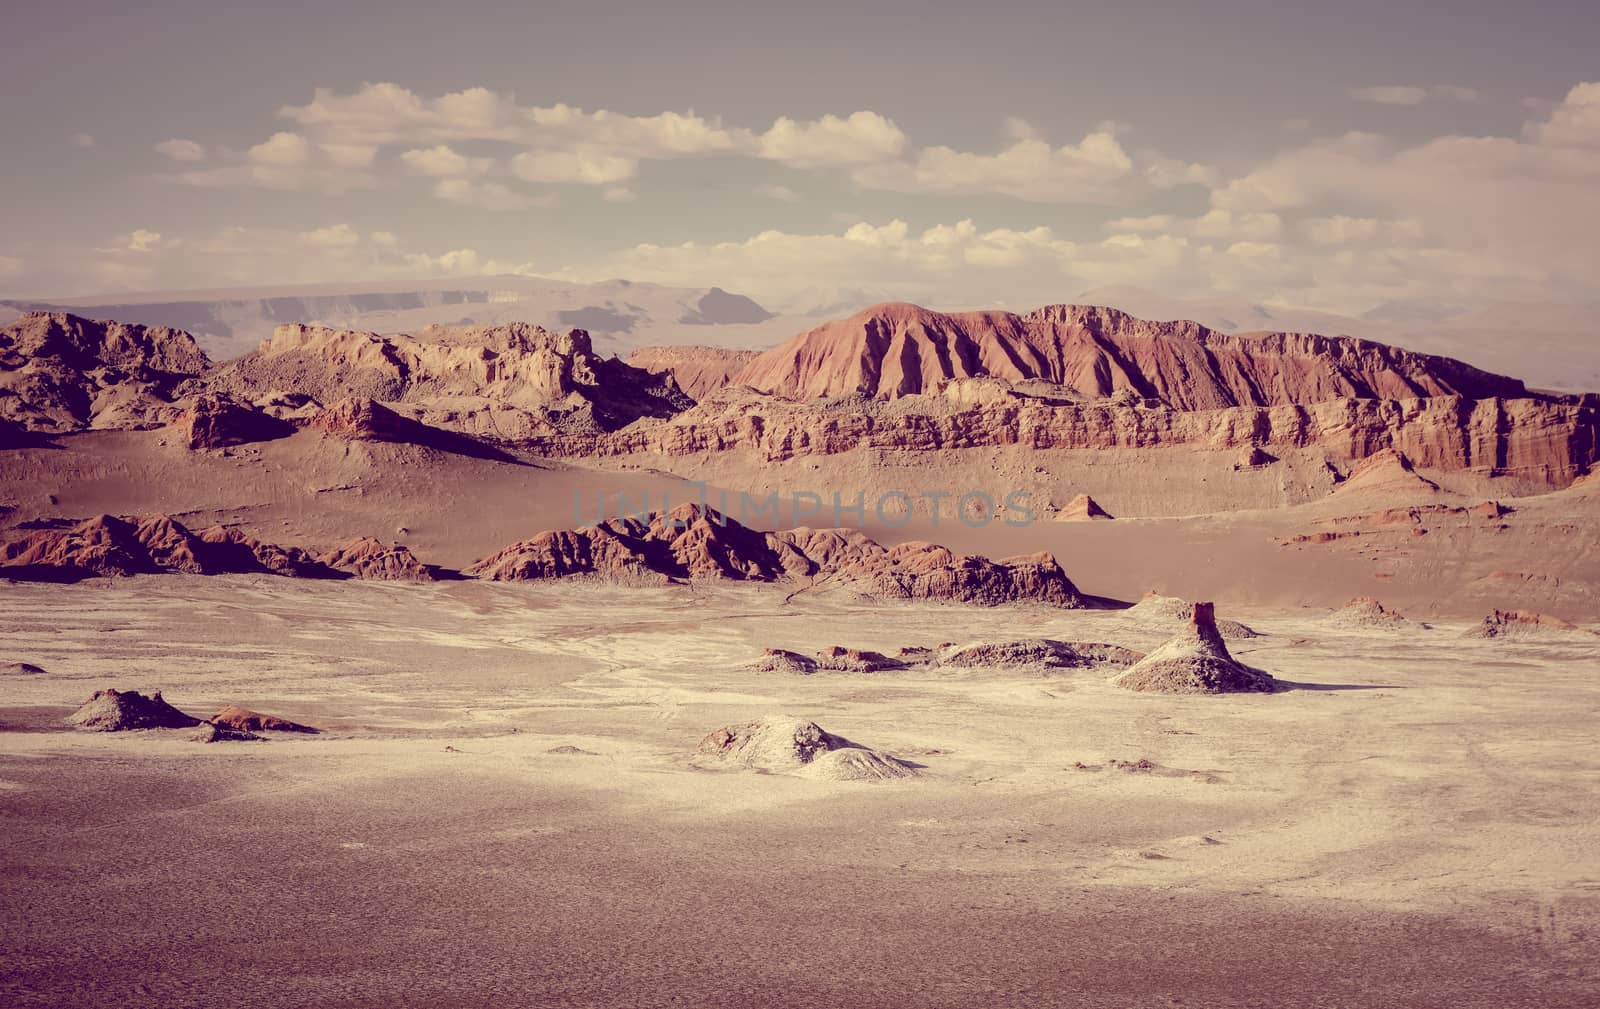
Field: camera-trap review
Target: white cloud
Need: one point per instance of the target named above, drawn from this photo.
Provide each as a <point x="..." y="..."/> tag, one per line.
<point x="442" y="162"/>
<point x="488" y="195"/>
<point x="83" y="141"/>
<point x="783" y="194"/>
<point x="290" y="162"/>
<point x="143" y="241"/>
<point x="620" y="194"/>
<point x="585" y="167"/>
<point x="181" y="150"/>
<point x="860" y="138"/>
<point x="1094" y="170"/>
<point x="336" y="236"/>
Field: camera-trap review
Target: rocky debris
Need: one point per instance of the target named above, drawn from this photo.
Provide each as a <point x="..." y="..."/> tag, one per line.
<point x="61" y="373"/>
<point x="1038" y="653"/>
<point x="1366" y="613"/>
<point x="693" y="541"/>
<point x="1171" y="609"/>
<point x="1254" y="457"/>
<point x="1389" y="471"/>
<point x="214" y="732"/>
<point x="1082" y="508"/>
<point x="568" y="750"/>
<point x="837" y="658"/>
<point x="217" y="420"/>
<point x="374" y="560"/>
<point x="1195" y="662"/>
<point x="510" y="381"/>
<point x="1413" y="515"/>
<point x="113" y="710"/>
<point x="1315" y="538"/>
<point x="697" y="370"/>
<point x="784" y="745"/>
<point x="245" y="720"/>
<point x="112" y="546"/>
<point x="20" y="669"/>
<point x="781" y="660"/>
<point x="1524" y="624"/>
<point x="894" y="350"/>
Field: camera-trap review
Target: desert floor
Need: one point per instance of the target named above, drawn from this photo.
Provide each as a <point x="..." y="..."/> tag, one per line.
<point x="1414" y="825"/>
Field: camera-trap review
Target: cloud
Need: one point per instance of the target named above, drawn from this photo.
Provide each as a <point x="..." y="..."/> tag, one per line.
<point x="143" y="241"/>
<point x="1406" y="94"/>
<point x="619" y="194"/>
<point x="860" y="138"/>
<point x="441" y="162"/>
<point x="783" y="194"/>
<point x="181" y="150"/>
<point x="488" y="195"/>
<point x="289" y="162"/>
<point x="83" y="141"/>
<point x="586" y="166"/>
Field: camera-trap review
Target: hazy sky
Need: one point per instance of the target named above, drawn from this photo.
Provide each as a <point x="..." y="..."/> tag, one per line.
<point x="1336" y="156"/>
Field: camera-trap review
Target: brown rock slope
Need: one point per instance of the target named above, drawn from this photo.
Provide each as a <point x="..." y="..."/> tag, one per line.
<point x="374" y="560"/>
<point x="896" y="350"/>
<point x="61" y="373"/>
<point x="696" y="542"/>
<point x="217" y="420"/>
<point x="120" y="711"/>
<point x="1195" y="662"/>
<point x="245" y="720"/>
<point x="510" y="382"/>
<point x="697" y="370"/>
<point x="108" y="545"/>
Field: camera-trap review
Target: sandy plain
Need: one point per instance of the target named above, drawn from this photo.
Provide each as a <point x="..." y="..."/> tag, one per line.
<point x="1413" y="824"/>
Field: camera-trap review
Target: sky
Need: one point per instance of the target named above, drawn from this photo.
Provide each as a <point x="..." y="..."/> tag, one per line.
<point x="1341" y="157"/>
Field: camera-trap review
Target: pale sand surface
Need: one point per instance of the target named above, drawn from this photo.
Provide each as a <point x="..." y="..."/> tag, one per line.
<point x="1421" y="832"/>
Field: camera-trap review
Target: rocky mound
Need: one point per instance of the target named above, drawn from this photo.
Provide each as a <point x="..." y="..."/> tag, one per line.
<point x="360" y="419"/>
<point x="1170" y="609"/>
<point x="212" y="732"/>
<point x="1388" y="472"/>
<point x="112" y="546"/>
<point x="119" y="711"/>
<point x="511" y="381"/>
<point x="1081" y="509"/>
<point x="61" y="373"/>
<point x="854" y="660"/>
<point x="896" y="350"/>
<point x="783" y="745"/>
<point x="217" y="420"/>
<point x="373" y="560"/>
<point x="20" y="669"/>
<point x="1038" y="653"/>
<point x="1366" y="613"/>
<point x="1525" y="625"/>
<point x="697" y="370"/>
<point x="1195" y="662"/>
<point x="782" y="660"/>
<point x="692" y="541"/>
<point x="245" y="720"/>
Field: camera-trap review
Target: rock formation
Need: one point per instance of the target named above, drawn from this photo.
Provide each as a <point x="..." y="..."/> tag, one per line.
<point x="1195" y="662"/>
<point x="782" y="745"/>
<point x="371" y="559"/>
<point x="1158" y="608"/>
<point x="119" y="711"/>
<point x="697" y="370"/>
<point x="692" y="541"/>
<point x="1082" y="508"/>
<point x="217" y="420"/>
<point x="1041" y="653"/>
<point x="1522" y="624"/>
<point x="112" y="546"/>
<point x="1365" y="613"/>
<point x="896" y="350"/>
<point x="61" y="373"/>
<point x="214" y="732"/>
<point x="245" y="720"/>
<point x="510" y="382"/>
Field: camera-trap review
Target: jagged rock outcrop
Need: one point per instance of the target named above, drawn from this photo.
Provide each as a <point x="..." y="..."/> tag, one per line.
<point x="1195" y="662"/>
<point x="1160" y="609"/>
<point x="217" y="420"/>
<point x="114" y="710"/>
<point x="693" y="541"/>
<point x="245" y="720"/>
<point x="366" y="420"/>
<point x="372" y="559"/>
<point x="61" y="373"/>
<point x="894" y="350"/>
<point x="110" y="546"/>
<point x="783" y="745"/>
<point x="1044" y="653"/>
<point x="510" y="382"/>
<point x="697" y="370"/>
<point x="1524" y="624"/>
<point x="212" y="732"/>
<point x="1364" y="613"/>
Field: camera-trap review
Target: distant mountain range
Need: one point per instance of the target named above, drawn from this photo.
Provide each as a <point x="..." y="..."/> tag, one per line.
<point x="619" y="314"/>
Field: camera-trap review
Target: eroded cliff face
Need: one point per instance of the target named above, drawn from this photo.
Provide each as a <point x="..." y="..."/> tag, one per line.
<point x="467" y="378"/>
<point x="1092" y="352"/>
<point x="1541" y="440"/>
<point x="61" y="373"/>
